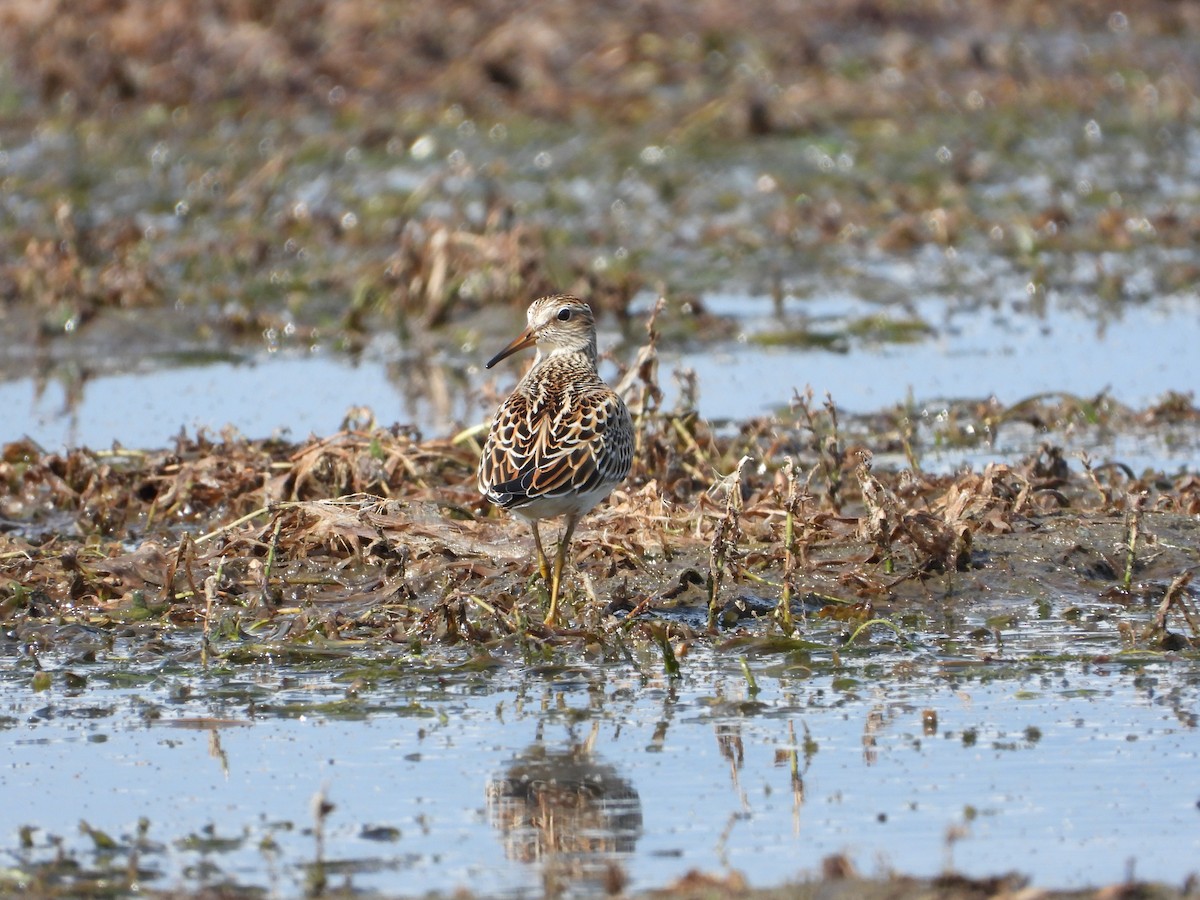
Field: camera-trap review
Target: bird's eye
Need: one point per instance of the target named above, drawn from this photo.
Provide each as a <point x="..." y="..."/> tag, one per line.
<point x="564" y="314"/>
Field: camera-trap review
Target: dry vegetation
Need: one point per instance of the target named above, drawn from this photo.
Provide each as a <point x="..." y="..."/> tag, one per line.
<point x="374" y="534"/>
<point x="770" y="66"/>
<point x="378" y="531"/>
<point x="115" y="77"/>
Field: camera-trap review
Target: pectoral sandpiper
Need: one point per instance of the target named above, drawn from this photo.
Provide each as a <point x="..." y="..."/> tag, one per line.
<point x="563" y="439"/>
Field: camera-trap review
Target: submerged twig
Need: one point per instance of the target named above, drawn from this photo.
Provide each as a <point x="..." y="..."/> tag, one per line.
<point x="658" y="633"/>
<point x="751" y="684"/>
<point x="867" y="624"/>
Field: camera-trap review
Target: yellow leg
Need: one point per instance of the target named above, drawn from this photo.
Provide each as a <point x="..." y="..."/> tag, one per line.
<point x="543" y="566"/>
<point x="563" y="543"/>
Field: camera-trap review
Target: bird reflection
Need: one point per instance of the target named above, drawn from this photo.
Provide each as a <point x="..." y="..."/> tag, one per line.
<point x="567" y="809"/>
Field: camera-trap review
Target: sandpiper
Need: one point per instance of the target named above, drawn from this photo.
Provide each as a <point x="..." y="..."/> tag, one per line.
<point x="563" y="439"/>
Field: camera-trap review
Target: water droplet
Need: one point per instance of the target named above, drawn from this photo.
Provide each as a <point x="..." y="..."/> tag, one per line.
<point x="159" y="154"/>
<point x="766" y="184"/>
<point x="1118" y="23"/>
<point x="423" y="147"/>
<point x="997" y="233"/>
<point x="349" y="221"/>
<point x="181" y="208"/>
<point x="975" y="100"/>
<point x="944" y="155"/>
<point x="353" y="155"/>
<point x="1083" y="187"/>
<point x="498" y="133"/>
<point x="466" y="128"/>
<point x="543" y="160"/>
<point x="652" y="155"/>
<point x="300" y="211"/>
<point x="1092" y="132"/>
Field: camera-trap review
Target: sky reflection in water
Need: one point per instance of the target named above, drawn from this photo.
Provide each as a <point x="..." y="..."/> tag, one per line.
<point x="500" y="779"/>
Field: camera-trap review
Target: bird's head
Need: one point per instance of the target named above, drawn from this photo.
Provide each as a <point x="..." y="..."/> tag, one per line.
<point x="557" y="324"/>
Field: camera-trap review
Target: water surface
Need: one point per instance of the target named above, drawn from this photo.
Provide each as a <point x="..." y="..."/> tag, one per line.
<point x="1074" y="772"/>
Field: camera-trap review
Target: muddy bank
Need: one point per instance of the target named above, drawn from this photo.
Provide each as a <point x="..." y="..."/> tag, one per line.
<point x="376" y="534"/>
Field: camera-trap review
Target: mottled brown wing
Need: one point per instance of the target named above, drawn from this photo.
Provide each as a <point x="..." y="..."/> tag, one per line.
<point x="537" y="452"/>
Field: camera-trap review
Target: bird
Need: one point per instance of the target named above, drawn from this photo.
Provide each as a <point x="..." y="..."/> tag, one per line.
<point x="563" y="439"/>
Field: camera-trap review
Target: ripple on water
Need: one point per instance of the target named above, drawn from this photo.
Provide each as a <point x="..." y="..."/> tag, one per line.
<point x="1066" y="770"/>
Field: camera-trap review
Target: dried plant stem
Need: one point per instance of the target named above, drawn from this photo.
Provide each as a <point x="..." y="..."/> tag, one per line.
<point x="633" y="614"/>
<point x="783" y="612"/>
<point x="758" y="579"/>
<point x="724" y="542"/>
<point x="1132" y="526"/>
<point x="644" y="375"/>
<point x="210" y="597"/>
<point x="1174" y="597"/>
<point x="229" y="526"/>
<point x="688" y="440"/>
<point x="270" y="563"/>
<point x="191" y="561"/>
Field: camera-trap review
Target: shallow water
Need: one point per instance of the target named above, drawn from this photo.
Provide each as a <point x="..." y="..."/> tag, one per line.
<point x="1004" y="309"/>
<point x="1003" y="352"/>
<point x="1075" y="772"/>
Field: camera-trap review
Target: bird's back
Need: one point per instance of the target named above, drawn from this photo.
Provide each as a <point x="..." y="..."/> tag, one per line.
<point x="559" y="444"/>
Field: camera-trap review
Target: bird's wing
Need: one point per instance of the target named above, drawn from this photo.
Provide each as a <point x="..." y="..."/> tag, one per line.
<point x="535" y="451"/>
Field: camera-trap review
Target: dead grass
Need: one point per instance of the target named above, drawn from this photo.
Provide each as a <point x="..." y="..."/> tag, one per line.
<point x="759" y="67"/>
<point x="377" y="534"/>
